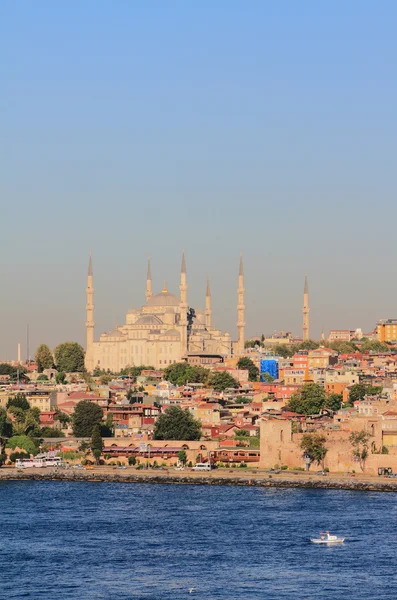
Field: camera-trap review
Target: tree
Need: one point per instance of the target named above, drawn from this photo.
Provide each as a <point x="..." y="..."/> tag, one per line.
<point x="359" y="440"/>
<point x="309" y="400"/>
<point x="60" y="377"/>
<point x="333" y="402"/>
<point x="44" y="358"/>
<point x="63" y="418"/>
<point x="222" y="380"/>
<point x="343" y="347"/>
<point x="18" y="400"/>
<point x="69" y="357"/>
<point x="268" y="378"/>
<point x="96" y="442"/>
<point x="374" y="346"/>
<point x="5" y="428"/>
<point x="358" y="391"/>
<point x="13" y="372"/>
<point x="42" y="377"/>
<point x="283" y="350"/>
<point x="183" y="373"/>
<point x="23" y="442"/>
<point x="182" y="457"/>
<point x="313" y="446"/>
<point x="309" y="345"/>
<point x="132" y="461"/>
<point x="86" y="415"/>
<point x="105" y="379"/>
<point x="177" y="424"/>
<point x="247" y="363"/>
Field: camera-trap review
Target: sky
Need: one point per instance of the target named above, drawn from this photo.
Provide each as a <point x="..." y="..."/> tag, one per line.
<point x="137" y="128"/>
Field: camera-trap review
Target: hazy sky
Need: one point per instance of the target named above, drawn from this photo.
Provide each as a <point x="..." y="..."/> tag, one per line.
<point x="132" y="128"/>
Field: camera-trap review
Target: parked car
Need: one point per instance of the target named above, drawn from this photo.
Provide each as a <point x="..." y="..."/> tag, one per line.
<point x="321" y="473"/>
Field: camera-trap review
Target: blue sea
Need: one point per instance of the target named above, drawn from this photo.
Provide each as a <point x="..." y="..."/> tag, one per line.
<point x="116" y="541"/>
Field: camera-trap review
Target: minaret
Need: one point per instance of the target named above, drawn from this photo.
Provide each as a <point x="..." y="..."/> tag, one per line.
<point x="208" y="311"/>
<point x="240" y="309"/>
<point x="322" y="335"/>
<point x="183" y="307"/>
<point x="148" y="281"/>
<point x="305" y="311"/>
<point x="89" y="325"/>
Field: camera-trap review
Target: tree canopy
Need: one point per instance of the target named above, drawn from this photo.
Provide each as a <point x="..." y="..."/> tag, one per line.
<point x="359" y="390"/>
<point x="19" y="401"/>
<point x="22" y="441"/>
<point x="177" y="424"/>
<point x="183" y="373"/>
<point x="69" y="357"/>
<point x="44" y="358"/>
<point x="96" y="442"/>
<point x="374" y="346"/>
<point x="313" y="446"/>
<point x="360" y="442"/>
<point x="309" y="400"/>
<point x="246" y="363"/>
<point x="86" y="415"/>
<point x="222" y="380"/>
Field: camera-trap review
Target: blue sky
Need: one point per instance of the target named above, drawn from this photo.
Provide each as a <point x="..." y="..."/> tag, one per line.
<point x="134" y="128"/>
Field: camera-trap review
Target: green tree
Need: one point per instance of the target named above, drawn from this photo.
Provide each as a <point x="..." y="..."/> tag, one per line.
<point x="182" y="373"/>
<point x="23" y="442"/>
<point x="222" y="380"/>
<point x="246" y="363"/>
<point x="63" y="418"/>
<point x="105" y="378"/>
<point x="60" y="378"/>
<point x="182" y="457"/>
<point x="96" y="442"/>
<point x="5" y="428"/>
<point x="42" y="377"/>
<point x="283" y="350"/>
<point x="358" y="391"/>
<point x="313" y="446"/>
<point x="19" y="400"/>
<point x="132" y="461"/>
<point x="13" y="372"/>
<point x="69" y="357"/>
<point x="374" y="346"/>
<point x="177" y="424"/>
<point x="360" y="442"/>
<point x="343" y="347"/>
<point x="44" y="358"/>
<point x="309" y="400"/>
<point x="333" y="402"/>
<point x="86" y="415"/>
<point x="268" y="378"/>
<point x="309" y="345"/>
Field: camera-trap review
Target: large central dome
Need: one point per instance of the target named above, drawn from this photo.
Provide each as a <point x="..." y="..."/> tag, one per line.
<point x="165" y="298"/>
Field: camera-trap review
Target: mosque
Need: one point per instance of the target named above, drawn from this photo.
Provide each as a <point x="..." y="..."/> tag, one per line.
<point x="165" y="330"/>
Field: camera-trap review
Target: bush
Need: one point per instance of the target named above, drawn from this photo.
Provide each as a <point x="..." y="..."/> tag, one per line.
<point x="15" y="455"/>
<point x="233" y="466"/>
<point x="326" y="470"/>
<point x="298" y="469"/>
<point x="243" y="465"/>
<point x="131" y="461"/>
<point x="284" y="467"/>
<point x="385" y="450"/>
<point x="190" y="464"/>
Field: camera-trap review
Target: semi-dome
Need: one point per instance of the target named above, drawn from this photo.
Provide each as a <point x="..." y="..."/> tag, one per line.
<point x="171" y="333"/>
<point x="148" y="320"/>
<point x="165" y="298"/>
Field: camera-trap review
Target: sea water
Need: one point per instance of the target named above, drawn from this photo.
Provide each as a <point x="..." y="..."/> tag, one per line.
<point x="116" y="541"/>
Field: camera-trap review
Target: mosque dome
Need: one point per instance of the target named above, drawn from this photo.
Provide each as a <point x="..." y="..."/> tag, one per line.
<point x="148" y="320"/>
<point x="165" y="298"/>
<point x="115" y="333"/>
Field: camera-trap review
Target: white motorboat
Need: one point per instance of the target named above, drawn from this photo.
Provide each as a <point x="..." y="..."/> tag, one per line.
<point x="327" y="538"/>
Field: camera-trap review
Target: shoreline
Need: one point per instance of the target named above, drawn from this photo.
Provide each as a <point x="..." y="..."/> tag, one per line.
<point x="256" y="479"/>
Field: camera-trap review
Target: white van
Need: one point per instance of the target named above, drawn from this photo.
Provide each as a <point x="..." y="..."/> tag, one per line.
<point x="202" y="467"/>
